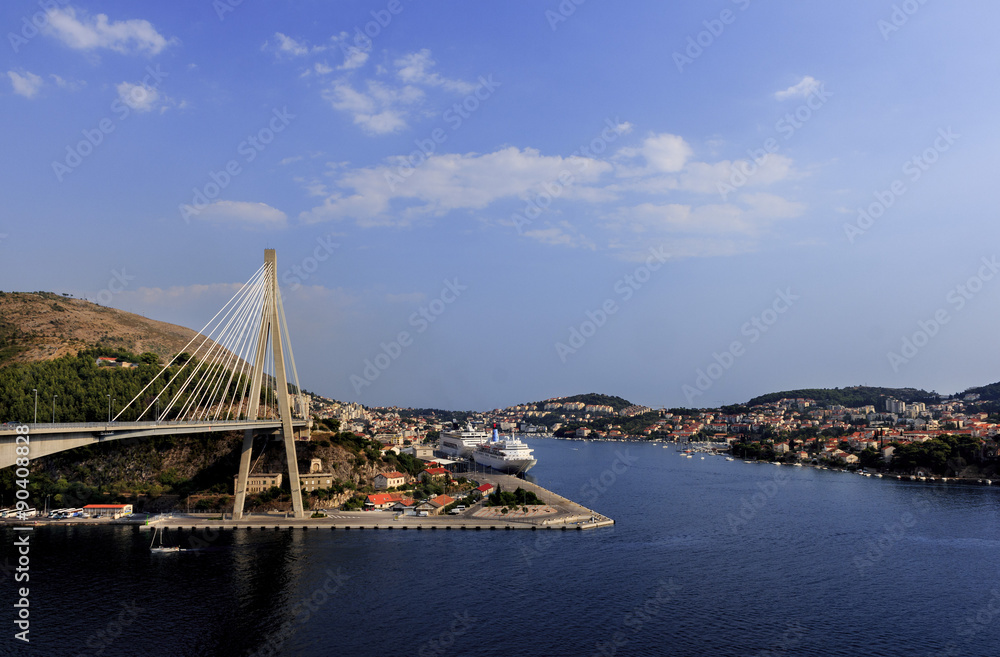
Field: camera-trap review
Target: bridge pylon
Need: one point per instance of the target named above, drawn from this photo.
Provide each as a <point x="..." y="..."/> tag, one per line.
<point x="272" y="328"/>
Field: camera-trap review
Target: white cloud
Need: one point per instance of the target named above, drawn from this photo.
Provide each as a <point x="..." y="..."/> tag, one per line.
<point x="289" y="46"/>
<point x="88" y="33"/>
<point x="72" y="85"/>
<point x="25" y="83"/>
<point x="385" y="103"/>
<point x="354" y="57"/>
<point x="801" y="89"/>
<point x="253" y="215"/>
<point x="414" y="68"/>
<point x="448" y="182"/>
<point x="560" y="234"/>
<point x="137" y="96"/>
<point x="603" y="201"/>
<point x="379" y="110"/>
<point x="771" y="206"/>
<point x="750" y="217"/>
<point x="660" y="153"/>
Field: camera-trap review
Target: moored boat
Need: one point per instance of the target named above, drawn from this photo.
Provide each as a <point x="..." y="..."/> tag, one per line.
<point x="505" y="455"/>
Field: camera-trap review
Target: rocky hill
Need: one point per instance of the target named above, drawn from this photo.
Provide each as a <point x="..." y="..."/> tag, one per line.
<point x="37" y="326"/>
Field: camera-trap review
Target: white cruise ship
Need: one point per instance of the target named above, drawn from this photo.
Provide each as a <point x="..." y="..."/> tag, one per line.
<point x="505" y="455"/>
<point x="461" y="442"/>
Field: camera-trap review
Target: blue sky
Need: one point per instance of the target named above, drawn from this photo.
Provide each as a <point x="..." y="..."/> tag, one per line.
<point x="656" y="202"/>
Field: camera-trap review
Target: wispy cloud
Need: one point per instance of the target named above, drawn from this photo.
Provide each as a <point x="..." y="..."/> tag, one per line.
<point x="653" y="189"/>
<point x="84" y="32"/>
<point x="247" y="214"/>
<point x="386" y="102"/>
<point x="379" y="108"/>
<point x="138" y="96"/>
<point x="25" y="83"/>
<point x="71" y="85"/>
<point x="801" y="89"/>
<point x="415" y="68"/>
<point x="445" y="183"/>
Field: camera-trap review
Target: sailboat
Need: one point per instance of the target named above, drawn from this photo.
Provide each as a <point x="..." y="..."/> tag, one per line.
<point x="159" y="549"/>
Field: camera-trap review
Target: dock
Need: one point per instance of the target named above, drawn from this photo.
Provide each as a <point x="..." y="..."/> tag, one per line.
<point x="561" y="515"/>
<point x="558" y="513"/>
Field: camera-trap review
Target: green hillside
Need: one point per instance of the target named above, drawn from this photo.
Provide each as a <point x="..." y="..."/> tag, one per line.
<point x="850" y="397"/>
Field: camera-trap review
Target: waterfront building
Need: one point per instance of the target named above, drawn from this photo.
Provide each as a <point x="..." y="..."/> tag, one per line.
<point x="258" y="483"/>
<point x="316" y="478"/>
<point x="385" y="480"/>
<point x="434" y="506"/>
<point x="382" y="500"/>
<point x="430" y="473"/>
<point x="108" y="510"/>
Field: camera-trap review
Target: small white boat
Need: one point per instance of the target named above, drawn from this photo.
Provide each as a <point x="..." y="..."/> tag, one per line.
<point x="160" y="549"/>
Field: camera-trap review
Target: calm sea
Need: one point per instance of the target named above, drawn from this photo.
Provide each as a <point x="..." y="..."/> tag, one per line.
<point x="708" y="557"/>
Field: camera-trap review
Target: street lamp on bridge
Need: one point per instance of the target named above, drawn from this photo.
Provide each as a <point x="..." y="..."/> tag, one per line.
<point x="54" y="408"/>
<point x="35" y="390"/>
<point x="109" y="409"/>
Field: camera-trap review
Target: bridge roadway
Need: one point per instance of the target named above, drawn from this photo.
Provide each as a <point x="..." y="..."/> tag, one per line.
<point x="48" y="439"/>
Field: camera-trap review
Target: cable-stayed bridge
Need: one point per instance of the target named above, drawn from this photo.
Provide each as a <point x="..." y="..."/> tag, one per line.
<point x="238" y="373"/>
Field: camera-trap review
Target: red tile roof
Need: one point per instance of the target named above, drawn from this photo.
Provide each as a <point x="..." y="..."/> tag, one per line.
<point x="393" y="475"/>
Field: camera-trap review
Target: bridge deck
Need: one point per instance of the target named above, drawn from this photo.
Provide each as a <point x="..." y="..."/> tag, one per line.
<point x="46" y="439"/>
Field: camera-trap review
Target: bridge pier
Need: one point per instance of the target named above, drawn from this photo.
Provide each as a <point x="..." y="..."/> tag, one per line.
<point x="271" y="327"/>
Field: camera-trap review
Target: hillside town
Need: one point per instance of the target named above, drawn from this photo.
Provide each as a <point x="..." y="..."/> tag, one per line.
<point x="892" y="435"/>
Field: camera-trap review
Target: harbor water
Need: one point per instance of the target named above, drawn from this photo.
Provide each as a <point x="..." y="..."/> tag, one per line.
<point x="707" y="557"/>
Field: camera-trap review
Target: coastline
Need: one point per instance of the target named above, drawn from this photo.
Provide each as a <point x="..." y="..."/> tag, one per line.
<point x="565" y="514"/>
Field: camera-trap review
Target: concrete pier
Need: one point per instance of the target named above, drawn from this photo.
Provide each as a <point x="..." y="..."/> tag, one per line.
<point x="560" y="514"/>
